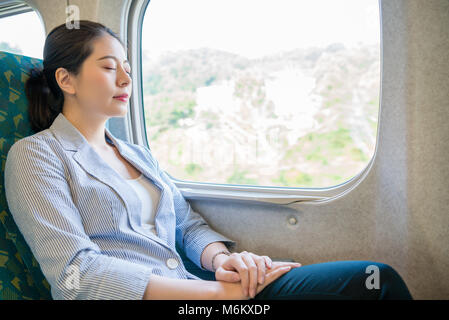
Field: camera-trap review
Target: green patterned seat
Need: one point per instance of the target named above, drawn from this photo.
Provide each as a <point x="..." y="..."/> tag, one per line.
<point x="20" y="273"/>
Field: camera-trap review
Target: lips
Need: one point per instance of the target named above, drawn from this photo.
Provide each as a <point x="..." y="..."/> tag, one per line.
<point x="122" y="97"/>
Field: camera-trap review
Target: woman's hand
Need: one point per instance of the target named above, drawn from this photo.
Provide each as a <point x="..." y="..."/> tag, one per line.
<point x="248" y="268"/>
<point x="233" y="291"/>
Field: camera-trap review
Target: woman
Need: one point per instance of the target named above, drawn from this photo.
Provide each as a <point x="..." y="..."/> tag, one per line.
<point x="102" y="218"/>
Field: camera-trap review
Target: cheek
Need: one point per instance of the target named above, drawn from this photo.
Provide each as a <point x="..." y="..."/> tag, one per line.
<point x="98" y="87"/>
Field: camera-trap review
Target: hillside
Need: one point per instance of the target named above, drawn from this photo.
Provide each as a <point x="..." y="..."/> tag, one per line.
<point x="301" y="118"/>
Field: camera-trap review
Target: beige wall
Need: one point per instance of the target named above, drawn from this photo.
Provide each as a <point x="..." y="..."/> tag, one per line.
<point x="107" y="12"/>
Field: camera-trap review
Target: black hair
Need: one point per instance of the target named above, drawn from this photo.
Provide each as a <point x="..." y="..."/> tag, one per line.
<point x="64" y="48"/>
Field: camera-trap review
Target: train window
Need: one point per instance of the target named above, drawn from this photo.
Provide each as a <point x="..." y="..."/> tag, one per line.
<point x="21" y="30"/>
<point x="261" y="92"/>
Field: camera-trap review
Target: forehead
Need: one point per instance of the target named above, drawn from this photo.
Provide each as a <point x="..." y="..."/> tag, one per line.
<point x="107" y="45"/>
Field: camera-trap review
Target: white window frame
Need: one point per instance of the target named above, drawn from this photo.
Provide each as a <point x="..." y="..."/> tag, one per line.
<point x="12" y="8"/>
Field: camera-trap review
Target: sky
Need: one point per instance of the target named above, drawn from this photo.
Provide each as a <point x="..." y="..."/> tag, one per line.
<point x="251" y="28"/>
<point x="254" y="28"/>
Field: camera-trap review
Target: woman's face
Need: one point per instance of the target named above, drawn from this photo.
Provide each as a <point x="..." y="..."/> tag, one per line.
<point x="103" y="76"/>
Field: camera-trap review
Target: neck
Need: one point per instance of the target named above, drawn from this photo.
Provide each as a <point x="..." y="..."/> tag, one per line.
<point x="90" y="126"/>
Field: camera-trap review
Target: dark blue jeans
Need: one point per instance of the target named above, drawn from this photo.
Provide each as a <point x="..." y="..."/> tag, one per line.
<point x="341" y="280"/>
<point x="338" y="280"/>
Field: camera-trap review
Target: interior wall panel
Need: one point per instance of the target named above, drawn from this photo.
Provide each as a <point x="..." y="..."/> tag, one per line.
<point x="52" y="12"/>
<point x="428" y="140"/>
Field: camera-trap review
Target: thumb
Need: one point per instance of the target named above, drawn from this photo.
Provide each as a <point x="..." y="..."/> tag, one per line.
<point x="226" y="275"/>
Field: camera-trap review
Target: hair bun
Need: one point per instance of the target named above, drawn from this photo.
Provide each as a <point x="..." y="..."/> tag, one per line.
<point x="36" y="72"/>
<point x="38" y="75"/>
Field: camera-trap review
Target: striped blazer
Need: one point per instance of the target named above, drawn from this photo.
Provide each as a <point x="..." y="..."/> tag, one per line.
<point x="81" y="218"/>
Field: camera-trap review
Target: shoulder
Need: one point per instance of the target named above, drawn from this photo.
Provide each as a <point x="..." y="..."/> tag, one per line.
<point x="38" y="148"/>
<point x="38" y="141"/>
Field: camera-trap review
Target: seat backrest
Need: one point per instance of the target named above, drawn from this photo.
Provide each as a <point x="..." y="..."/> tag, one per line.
<point x="20" y="273"/>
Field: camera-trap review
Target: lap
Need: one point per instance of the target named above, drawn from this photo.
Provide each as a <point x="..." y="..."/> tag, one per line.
<point x="332" y="280"/>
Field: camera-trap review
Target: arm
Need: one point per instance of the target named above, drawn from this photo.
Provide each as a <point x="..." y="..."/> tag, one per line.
<point x="209" y="252"/>
<point x="163" y="288"/>
<point x="41" y="204"/>
<point x="193" y="234"/>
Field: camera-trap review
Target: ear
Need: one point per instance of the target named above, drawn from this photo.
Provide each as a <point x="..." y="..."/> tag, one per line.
<point x="65" y="81"/>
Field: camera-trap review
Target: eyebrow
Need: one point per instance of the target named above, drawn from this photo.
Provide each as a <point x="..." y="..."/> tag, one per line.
<point x="112" y="57"/>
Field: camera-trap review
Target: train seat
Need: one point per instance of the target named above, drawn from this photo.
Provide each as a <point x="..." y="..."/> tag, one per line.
<point x="20" y="273"/>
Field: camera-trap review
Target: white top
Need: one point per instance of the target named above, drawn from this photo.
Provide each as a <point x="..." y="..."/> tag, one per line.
<point x="149" y="196"/>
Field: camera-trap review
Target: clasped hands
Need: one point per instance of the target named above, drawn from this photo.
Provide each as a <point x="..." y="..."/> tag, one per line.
<point x="255" y="272"/>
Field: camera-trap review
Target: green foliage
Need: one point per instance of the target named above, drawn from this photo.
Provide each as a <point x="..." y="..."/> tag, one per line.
<point x="332" y="142"/>
<point x="238" y="177"/>
<point x="316" y="155"/>
<point x="189" y="70"/>
<point x="358" y="155"/>
<point x="322" y="147"/>
<point x="168" y="109"/>
<point x="303" y="179"/>
<point x="153" y="84"/>
<point x="332" y="102"/>
<point x="293" y="178"/>
<point x="171" y="83"/>
<point x="193" y="169"/>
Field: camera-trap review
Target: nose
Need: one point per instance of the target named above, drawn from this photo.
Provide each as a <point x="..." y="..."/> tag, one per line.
<point x="123" y="78"/>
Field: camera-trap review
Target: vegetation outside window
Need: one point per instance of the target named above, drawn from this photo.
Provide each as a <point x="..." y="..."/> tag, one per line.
<point x="262" y="93"/>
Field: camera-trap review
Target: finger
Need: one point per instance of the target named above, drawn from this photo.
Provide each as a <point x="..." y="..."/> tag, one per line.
<point x="227" y="275"/>
<point x="278" y="272"/>
<point x="242" y="269"/>
<point x="291" y="264"/>
<point x="268" y="261"/>
<point x="261" y="268"/>
<point x="252" y="268"/>
<point x="272" y="275"/>
<point x="277" y="264"/>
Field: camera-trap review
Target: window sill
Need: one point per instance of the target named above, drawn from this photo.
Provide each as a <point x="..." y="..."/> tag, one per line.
<point x="276" y="198"/>
<point x="275" y="195"/>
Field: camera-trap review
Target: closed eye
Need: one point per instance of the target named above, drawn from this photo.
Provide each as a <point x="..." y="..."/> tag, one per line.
<point x="129" y="73"/>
